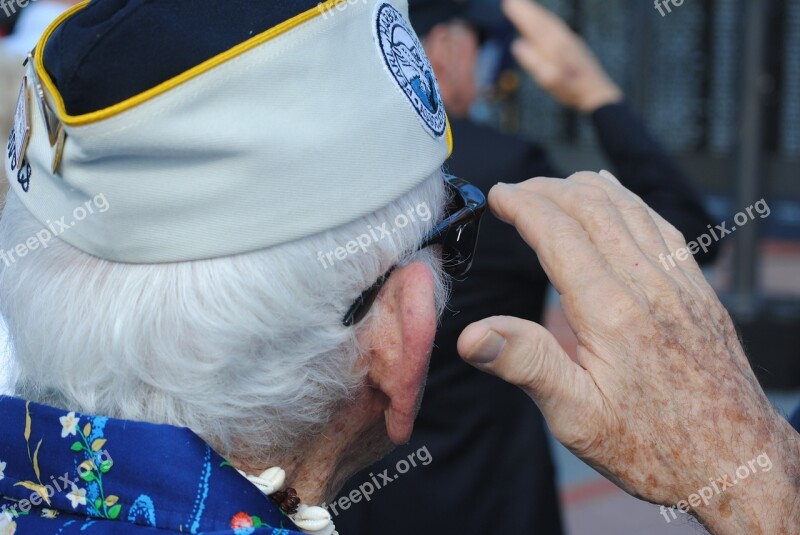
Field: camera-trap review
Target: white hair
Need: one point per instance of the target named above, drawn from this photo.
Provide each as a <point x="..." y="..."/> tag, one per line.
<point x="248" y="351"/>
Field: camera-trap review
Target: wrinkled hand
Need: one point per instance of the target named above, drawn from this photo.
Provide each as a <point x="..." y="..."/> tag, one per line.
<point x="662" y="398"/>
<point x="557" y="59"/>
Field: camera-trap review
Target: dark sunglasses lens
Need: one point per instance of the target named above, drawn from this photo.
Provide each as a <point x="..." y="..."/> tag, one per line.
<point x="458" y="247"/>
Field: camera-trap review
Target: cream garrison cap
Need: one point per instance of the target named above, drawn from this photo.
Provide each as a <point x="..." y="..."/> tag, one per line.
<point x="319" y="120"/>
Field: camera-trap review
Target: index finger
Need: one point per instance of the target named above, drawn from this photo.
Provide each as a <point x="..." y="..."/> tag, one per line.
<point x="567" y="254"/>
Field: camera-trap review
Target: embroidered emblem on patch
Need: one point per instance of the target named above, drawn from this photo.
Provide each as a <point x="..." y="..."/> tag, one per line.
<point x="407" y="63"/>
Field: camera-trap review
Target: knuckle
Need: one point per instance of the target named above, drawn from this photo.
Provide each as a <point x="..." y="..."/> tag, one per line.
<point x="633" y="206"/>
<point x="585" y="177"/>
<point x="642" y="224"/>
<point x="594" y="196"/>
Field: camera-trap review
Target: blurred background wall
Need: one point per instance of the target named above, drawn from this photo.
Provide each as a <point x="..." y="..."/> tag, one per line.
<point x="718" y="81"/>
<point x="683" y="72"/>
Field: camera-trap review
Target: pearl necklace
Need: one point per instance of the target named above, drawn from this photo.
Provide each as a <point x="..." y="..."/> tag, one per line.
<point x="310" y="519"/>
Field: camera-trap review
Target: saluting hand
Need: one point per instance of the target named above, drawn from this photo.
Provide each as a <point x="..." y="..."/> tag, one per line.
<point x="662" y="399"/>
<point x="558" y="60"/>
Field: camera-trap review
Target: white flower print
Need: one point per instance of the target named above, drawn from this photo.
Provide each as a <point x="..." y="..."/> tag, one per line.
<point x="77" y="496"/>
<point x="69" y="425"/>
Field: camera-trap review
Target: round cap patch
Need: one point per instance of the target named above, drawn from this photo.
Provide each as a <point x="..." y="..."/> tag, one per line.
<point x="406" y="61"/>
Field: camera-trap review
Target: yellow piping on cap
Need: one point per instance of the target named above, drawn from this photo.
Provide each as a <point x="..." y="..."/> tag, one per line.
<point x="125" y="105"/>
<point x="449" y="134"/>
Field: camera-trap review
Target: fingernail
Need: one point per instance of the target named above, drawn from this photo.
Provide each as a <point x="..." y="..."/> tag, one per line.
<point x="488" y="349"/>
<point x="605" y="174"/>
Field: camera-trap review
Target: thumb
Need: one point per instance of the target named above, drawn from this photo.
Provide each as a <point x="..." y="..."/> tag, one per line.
<point x="527" y="355"/>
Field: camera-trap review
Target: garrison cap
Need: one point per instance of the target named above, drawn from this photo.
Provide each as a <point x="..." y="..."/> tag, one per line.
<point x="219" y="128"/>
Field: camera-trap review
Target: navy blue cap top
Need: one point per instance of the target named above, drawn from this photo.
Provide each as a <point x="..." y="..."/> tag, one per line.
<point x="425" y="14"/>
<point x="112" y="50"/>
<point x="484" y="15"/>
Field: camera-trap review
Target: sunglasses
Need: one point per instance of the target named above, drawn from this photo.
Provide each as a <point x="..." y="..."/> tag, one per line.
<point x="457" y="234"/>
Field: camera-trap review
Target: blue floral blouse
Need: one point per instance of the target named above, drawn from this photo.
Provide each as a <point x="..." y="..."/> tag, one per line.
<point x="68" y="473"/>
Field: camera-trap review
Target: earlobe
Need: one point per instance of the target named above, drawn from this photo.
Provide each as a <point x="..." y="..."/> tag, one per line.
<point x="402" y="348"/>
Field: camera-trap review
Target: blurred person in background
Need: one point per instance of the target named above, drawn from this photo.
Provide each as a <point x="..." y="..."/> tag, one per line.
<point x="482" y="433"/>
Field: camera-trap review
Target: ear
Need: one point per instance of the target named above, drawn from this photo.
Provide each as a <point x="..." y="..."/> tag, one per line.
<point x="400" y="345"/>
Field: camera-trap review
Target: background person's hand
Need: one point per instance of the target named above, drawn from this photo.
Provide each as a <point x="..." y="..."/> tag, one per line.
<point x="557" y="59"/>
<point x="662" y="399"/>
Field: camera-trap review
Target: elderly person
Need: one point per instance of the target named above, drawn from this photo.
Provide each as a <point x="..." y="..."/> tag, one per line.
<point x="196" y="234"/>
<point x="226" y="277"/>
